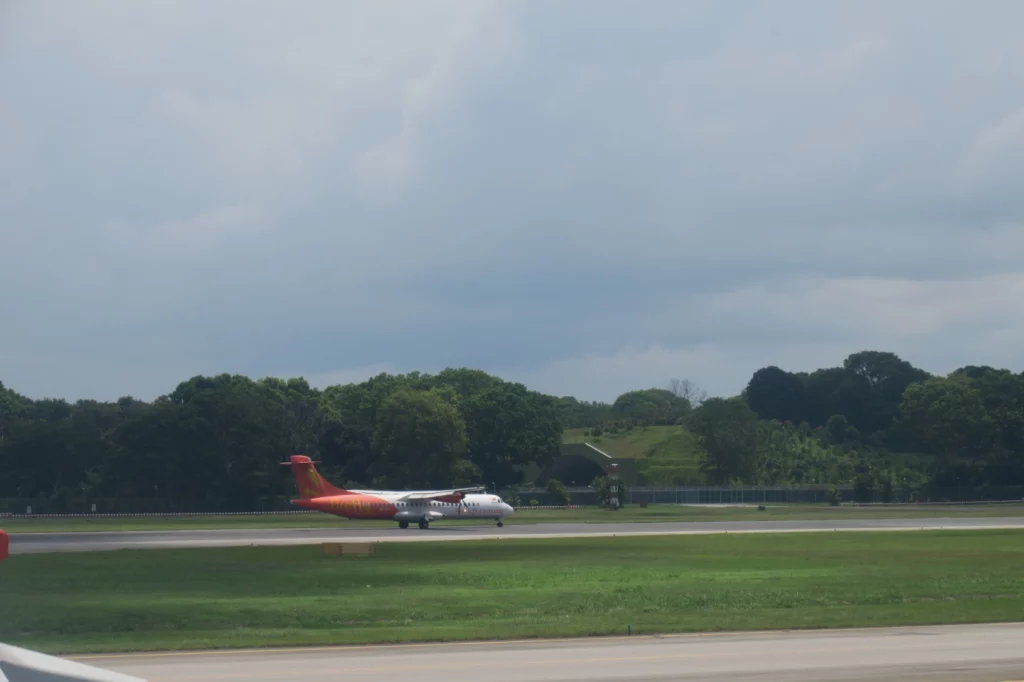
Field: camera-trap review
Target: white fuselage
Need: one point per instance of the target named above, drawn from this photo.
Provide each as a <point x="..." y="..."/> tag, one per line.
<point x="472" y="506"/>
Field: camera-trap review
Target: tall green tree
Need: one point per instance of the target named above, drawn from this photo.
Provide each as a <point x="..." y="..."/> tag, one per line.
<point x="466" y="382"/>
<point x="509" y="427"/>
<point x="873" y="387"/>
<point x="346" y="450"/>
<point x="13" y="407"/>
<point x="727" y="430"/>
<point x="839" y="429"/>
<point x="576" y="414"/>
<point x="651" y="406"/>
<point x="300" y="405"/>
<point x="559" y="492"/>
<point x="420" y="440"/>
<point x="774" y="393"/>
<point x="823" y="394"/>
<point x="1002" y="393"/>
<point x="948" y="417"/>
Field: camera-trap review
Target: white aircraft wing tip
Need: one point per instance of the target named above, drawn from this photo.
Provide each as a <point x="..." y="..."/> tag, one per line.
<point x="18" y="664"/>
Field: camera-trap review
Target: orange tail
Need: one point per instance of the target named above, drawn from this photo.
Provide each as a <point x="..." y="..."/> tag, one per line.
<point x="310" y="482"/>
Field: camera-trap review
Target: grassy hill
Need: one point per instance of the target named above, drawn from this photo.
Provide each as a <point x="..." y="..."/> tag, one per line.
<point x="633" y="444"/>
<point x="667" y="455"/>
<point x="671" y="455"/>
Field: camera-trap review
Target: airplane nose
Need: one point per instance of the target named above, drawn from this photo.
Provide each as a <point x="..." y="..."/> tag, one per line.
<point x="508" y="508"/>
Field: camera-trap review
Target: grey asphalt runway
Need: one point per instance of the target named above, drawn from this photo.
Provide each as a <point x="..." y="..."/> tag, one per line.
<point x="25" y="543"/>
<point x="974" y="653"/>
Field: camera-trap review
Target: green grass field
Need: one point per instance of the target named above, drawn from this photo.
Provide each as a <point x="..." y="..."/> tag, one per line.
<point x="209" y="598"/>
<point x="666" y="455"/>
<point x="629" y="514"/>
<point x="639" y="442"/>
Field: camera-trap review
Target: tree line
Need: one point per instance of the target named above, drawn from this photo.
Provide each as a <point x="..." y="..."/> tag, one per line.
<point x="218" y="442"/>
<point x="876" y="423"/>
<point x="963" y="429"/>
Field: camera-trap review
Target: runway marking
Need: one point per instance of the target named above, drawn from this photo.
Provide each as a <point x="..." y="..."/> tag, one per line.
<point x="596" y="640"/>
<point x="194" y="653"/>
<point x="488" y="664"/>
<point x="1011" y="523"/>
<point x="76" y="546"/>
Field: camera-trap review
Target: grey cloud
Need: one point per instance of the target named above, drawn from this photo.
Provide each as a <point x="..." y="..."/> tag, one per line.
<point x="516" y="186"/>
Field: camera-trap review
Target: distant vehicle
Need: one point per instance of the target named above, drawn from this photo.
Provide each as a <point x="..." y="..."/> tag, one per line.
<point x="421" y="506"/>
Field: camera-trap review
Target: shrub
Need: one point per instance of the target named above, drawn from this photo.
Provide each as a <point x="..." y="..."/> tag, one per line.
<point x="558" y="491"/>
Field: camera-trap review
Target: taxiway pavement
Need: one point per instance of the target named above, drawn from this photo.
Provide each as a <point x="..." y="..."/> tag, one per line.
<point x="25" y="543"/>
<point x="973" y="653"/>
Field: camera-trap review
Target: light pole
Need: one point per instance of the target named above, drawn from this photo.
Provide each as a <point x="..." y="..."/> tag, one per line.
<point x="614" y="488"/>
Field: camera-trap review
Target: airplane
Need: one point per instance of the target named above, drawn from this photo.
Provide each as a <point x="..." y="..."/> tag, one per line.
<point x="421" y="506"/>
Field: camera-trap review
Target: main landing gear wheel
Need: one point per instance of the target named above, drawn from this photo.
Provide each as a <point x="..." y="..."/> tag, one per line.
<point x="424" y="524"/>
<point x="403" y="524"/>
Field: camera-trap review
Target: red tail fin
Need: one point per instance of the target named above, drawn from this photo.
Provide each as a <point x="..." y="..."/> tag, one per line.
<point x="309" y="480"/>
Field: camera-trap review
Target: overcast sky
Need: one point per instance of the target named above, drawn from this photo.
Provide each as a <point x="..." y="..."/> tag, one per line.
<point x="589" y="197"/>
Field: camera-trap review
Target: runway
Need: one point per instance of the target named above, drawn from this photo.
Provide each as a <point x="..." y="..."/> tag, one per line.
<point x="26" y="543"/>
<point x="974" y="653"/>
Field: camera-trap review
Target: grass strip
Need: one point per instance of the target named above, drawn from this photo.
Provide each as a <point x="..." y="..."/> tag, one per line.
<point x="210" y="598"/>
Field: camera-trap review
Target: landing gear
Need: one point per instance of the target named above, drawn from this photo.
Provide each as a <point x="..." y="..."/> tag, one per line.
<point x="403" y="524"/>
<point x="424" y="524"/>
<point x="500" y="523"/>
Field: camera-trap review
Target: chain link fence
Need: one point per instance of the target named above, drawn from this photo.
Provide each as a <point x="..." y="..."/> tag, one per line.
<point x="540" y="497"/>
<point x="709" y="495"/>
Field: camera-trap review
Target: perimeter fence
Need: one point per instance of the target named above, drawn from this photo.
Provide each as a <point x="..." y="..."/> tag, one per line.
<point x="537" y="498"/>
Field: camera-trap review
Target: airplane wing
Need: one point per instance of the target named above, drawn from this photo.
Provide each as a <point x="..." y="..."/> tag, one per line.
<point x="25" y="665"/>
<point x="453" y="495"/>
